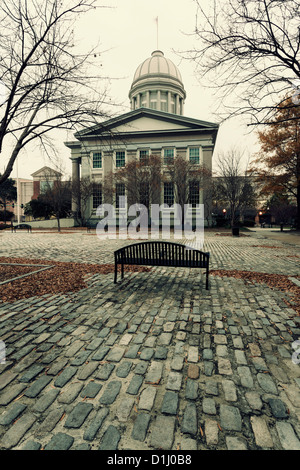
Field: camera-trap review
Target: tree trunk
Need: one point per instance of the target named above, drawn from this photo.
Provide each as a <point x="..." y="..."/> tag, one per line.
<point x="298" y="208"/>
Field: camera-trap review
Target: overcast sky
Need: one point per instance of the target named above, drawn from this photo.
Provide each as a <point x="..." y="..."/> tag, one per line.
<point x="127" y="35"/>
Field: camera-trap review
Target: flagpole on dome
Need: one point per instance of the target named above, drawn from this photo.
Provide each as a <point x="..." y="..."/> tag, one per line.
<point x="156" y="20"/>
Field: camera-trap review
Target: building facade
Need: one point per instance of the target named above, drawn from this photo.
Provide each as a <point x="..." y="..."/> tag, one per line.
<point x="28" y="189"/>
<point x="44" y="179"/>
<point x="155" y="126"/>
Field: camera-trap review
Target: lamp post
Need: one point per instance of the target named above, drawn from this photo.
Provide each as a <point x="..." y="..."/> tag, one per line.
<point x="260" y="220"/>
<point x="18" y="193"/>
<point x="224" y="213"/>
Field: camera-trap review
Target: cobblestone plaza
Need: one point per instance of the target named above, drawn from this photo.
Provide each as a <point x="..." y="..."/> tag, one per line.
<point x="155" y="361"/>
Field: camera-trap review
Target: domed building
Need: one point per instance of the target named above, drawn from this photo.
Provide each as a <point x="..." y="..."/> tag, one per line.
<point x="157" y="84"/>
<point x="155" y="127"/>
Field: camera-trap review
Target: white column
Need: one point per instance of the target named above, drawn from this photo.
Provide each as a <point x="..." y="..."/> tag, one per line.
<point x="169" y="102"/>
<point x="75" y="177"/>
<point x="177" y="110"/>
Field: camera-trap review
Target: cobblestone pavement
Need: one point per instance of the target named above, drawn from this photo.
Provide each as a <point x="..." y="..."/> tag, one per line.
<point x="156" y="361"/>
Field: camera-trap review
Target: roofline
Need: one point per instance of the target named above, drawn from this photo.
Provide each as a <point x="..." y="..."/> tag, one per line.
<point x="73" y="144"/>
<point x="46" y="168"/>
<point x="106" y="125"/>
<point x="151" y="132"/>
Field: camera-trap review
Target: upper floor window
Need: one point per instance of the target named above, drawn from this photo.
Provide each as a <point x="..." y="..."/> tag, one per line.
<point x="120" y="159"/>
<point x="97" y="160"/>
<point x="168" y="156"/>
<point x="144" y="155"/>
<point x="194" y="154"/>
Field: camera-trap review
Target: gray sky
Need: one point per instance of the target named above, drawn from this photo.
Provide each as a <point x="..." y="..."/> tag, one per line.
<point x="127" y="34"/>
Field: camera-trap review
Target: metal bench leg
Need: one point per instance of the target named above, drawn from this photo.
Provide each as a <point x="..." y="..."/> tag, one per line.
<point x="116" y="272"/>
<point x="122" y="270"/>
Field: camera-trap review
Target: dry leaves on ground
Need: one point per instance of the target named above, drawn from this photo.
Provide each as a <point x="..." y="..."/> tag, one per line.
<point x="63" y="277"/>
<point x="9" y="272"/>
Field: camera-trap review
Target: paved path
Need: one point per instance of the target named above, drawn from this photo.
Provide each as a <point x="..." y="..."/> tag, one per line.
<point x="155" y="362"/>
<point x="286" y="236"/>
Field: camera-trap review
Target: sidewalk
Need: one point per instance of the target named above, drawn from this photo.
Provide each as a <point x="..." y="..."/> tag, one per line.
<point x="156" y="361"/>
<point x="286" y="236"/>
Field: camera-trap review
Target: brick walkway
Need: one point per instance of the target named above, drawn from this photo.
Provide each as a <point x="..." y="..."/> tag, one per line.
<point x="155" y="362"/>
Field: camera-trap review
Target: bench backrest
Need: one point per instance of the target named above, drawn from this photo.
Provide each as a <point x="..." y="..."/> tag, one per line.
<point x="162" y="254"/>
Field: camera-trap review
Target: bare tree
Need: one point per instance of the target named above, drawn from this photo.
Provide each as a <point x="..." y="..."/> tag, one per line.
<point x="59" y="198"/>
<point x="55" y="193"/>
<point x="233" y="188"/>
<point x="8" y="194"/>
<point x="45" y="84"/>
<point x="82" y="191"/>
<point x="209" y="196"/>
<point x="249" y="51"/>
<point x="141" y="181"/>
<point x="188" y="180"/>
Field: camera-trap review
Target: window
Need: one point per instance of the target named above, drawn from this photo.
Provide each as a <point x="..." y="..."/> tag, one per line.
<point x="163" y="101"/>
<point x="120" y="159"/>
<point x="153" y="100"/>
<point x="120" y="191"/>
<point x="173" y="104"/>
<point x="144" y="154"/>
<point x="97" y="160"/>
<point x="168" y="156"/>
<point x="144" y="194"/>
<point x="195" y="155"/>
<point x="97" y="195"/>
<point x="194" y="197"/>
<point x="46" y="186"/>
<point x="168" y="194"/>
<point x="143" y="100"/>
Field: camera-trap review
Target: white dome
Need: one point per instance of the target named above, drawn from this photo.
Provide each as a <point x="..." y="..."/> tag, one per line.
<point x="157" y="84"/>
<point x="157" y="64"/>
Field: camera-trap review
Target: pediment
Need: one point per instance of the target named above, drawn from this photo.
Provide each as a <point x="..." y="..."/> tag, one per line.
<point x="147" y="123"/>
<point x="145" y="120"/>
<point x="46" y="171"/>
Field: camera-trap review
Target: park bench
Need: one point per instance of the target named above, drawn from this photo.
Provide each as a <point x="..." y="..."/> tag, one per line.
<point x="159" y="253"/>
<point x="21" y="227"/>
